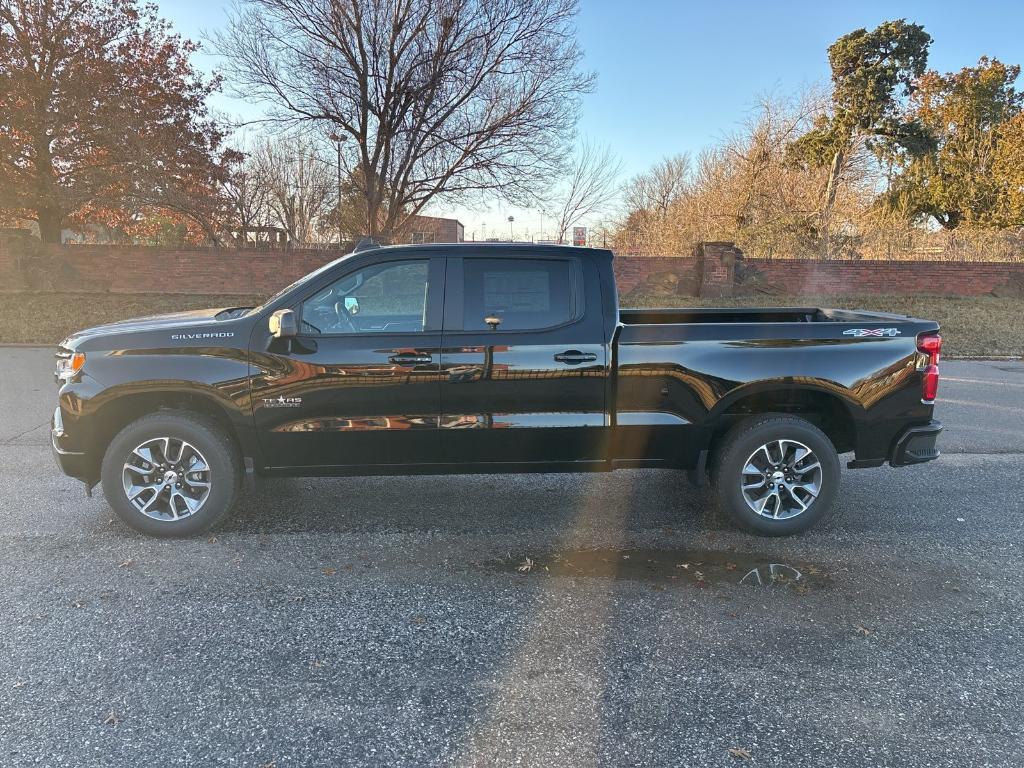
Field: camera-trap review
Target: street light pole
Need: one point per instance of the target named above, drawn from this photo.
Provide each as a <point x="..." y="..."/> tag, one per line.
<point x="338" y="139"/>
<point x="511" y="235"/>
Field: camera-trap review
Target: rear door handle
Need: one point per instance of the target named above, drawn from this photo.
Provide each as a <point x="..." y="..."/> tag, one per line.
<point x="411" y="359"/>
<point x="575" y="357"/>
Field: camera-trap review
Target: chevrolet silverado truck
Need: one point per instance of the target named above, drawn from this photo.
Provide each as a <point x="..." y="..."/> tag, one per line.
<point x="488" y="358"/>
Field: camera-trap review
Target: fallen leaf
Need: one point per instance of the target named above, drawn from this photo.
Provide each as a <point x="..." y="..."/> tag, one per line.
<point x="683" y="565"/>
<point x="316" y="664"/>
<point x="418" y="620"/>
<point x="863" y="630"/>
<point x="526" y="566"/>
<point x="112" y="719"/>
<point x="19" y="683"/>
<point x="329" y="571"/>
<point x="740" y="753"/>
<point x="730" y="566"/>
<point x="212" y="540"/>
<point x="128" y="563"/>
<point x="78" y="604"/>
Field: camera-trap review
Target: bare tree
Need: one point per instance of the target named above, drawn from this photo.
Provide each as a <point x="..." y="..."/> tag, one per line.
<point x="248" y="191"/>
<point x="437" y="97"/>
<point x="591" y="184"/>
<point x="300" y="186"/>
<point x="657" y="189"/>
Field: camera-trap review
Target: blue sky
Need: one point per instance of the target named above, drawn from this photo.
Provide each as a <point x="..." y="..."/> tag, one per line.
<point x="676" y="76"/>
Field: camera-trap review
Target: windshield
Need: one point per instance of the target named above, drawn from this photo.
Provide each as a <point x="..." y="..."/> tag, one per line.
<point x="297" y="284"/>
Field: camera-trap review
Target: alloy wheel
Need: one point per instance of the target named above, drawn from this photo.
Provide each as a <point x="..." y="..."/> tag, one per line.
<point x="781" y="479"/>
<point x="166" y="478"/>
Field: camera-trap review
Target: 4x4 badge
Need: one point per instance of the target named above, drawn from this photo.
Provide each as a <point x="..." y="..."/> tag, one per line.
<point x="858" y="332"/>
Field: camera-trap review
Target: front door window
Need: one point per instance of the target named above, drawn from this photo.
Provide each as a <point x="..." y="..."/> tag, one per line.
<point x="382" y="298"/>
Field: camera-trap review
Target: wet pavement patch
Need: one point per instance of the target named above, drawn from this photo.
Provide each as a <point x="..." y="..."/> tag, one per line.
<point x="699" y="568"/>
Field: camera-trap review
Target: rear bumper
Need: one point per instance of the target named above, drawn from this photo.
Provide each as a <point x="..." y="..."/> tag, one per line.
<point x="916" y="445"/>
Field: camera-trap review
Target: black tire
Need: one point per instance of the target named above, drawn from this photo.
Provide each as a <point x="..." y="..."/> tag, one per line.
<point x="742" y="442"/>
<point x="220" y="453"/>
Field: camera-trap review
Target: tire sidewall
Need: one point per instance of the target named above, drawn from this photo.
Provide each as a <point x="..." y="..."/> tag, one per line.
<point x="216" y="449"/>
<point x="746" y="439"/>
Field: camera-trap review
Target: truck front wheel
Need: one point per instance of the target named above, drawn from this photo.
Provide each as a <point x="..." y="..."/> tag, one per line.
<point x="171" y="473"/>
<point x="775" y="475"/>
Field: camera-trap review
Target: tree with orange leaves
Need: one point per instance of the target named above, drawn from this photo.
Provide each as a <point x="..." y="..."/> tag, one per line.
<point x="102" y="111"/>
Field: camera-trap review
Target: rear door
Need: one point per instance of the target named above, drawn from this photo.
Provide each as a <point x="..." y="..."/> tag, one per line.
<point x="359" y="386"/>
<point x="524" y="362"/>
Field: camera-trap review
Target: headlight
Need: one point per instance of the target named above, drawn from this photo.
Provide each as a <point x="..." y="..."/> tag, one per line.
<point x="68" y="365"/>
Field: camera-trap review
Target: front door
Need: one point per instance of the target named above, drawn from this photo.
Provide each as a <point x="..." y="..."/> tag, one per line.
<point x="524" y="366"/>
<point x="359" y="385"/>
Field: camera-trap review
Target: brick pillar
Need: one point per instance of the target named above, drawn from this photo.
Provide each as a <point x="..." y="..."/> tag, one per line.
<point x="716" y="268"/>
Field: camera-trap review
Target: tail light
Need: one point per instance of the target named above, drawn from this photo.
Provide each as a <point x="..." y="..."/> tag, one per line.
<point x="930" y="344"/>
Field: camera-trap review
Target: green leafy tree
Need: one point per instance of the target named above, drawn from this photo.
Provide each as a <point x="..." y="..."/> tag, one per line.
<point x="873" y="73"/>
<point x="1008" y="172"/>
<point x="965" y="111"/>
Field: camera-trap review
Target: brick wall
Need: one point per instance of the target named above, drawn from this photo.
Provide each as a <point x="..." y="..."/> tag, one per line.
<point x="159" y="270"/>
<point x="944" y="278"/>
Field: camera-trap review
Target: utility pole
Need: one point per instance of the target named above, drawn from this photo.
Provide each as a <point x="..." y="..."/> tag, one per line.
<point x="338" y="140"/>
<point x="511" y="236"/>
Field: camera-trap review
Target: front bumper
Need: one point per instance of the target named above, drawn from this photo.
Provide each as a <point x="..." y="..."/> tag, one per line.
<point x="916" y="445"/>
<point x="71" y="463"/>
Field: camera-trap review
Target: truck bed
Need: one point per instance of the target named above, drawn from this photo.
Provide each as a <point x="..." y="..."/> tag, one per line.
<point x="749" y="315"/>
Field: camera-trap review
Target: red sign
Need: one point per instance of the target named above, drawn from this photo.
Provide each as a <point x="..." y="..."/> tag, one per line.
<point x="579" y="235"/>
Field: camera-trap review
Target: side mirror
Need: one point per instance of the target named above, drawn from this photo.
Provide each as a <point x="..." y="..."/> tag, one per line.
<point x="494" y="321"/>
<point x="283" y="324"/>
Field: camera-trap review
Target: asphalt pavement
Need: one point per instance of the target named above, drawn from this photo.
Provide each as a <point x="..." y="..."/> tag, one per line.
<point x="520" y="620"/>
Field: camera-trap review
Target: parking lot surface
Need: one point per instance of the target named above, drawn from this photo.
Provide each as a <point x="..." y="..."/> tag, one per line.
<point x="535" y="620"/>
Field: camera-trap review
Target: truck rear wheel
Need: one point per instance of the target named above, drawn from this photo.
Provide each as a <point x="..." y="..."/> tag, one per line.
<point x="171" y="473"/>
<point x="775" y="475"/>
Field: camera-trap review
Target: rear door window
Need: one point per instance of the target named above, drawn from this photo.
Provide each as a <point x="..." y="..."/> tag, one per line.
<point x="526" y="294"/>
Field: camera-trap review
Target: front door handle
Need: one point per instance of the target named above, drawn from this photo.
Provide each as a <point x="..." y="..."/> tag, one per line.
<point x="411" y="359"/>
<point x="575" y="357"/>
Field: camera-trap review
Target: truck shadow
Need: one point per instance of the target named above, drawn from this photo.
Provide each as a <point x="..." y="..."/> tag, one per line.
<point x="475" y="503"/>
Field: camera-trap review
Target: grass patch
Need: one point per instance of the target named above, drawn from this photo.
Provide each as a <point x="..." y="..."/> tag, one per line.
<point x="971" y="326"/>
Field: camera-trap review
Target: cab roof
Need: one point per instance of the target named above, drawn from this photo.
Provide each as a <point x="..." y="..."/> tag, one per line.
<point x="517" y="249"/>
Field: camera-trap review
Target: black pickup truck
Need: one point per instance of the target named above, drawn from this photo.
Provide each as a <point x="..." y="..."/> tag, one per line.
<point x="488" y="358"/>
